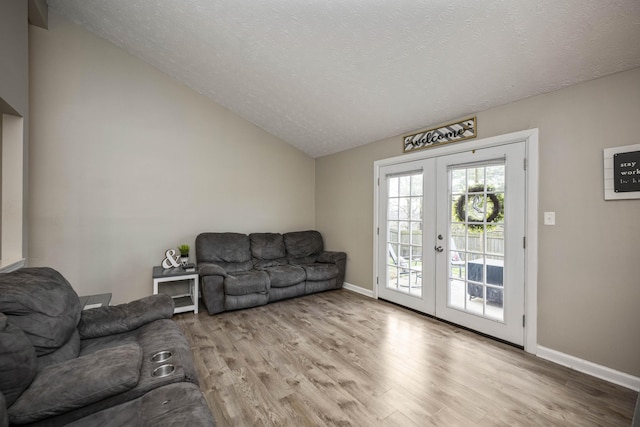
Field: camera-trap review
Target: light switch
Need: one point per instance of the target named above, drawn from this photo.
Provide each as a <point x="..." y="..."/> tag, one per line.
<point x="549" y="218"/>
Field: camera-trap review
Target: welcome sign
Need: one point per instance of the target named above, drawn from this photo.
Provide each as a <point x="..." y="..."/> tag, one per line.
<point x="453" y="132"/>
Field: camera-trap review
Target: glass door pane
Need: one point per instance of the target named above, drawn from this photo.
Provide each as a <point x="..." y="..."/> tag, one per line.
<point x="404" y="233"/>
<point x="476" y="230"/>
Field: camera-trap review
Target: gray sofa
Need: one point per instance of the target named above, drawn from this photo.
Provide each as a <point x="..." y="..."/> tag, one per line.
<point x="60" y="365"/>
<point x="240" y="271"/>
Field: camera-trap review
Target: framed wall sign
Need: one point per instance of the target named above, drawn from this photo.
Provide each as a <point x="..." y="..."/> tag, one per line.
<point x="622" y="172"/>
<point x="453" y="132"/>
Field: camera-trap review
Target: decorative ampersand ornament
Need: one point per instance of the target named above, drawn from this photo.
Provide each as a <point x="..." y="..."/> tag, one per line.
<point x="171" y="260"/>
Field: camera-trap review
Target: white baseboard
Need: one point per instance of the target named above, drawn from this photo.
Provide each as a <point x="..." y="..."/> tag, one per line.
<point x="7" y="266"/>
<point x="590" y="368"/>
<point x="358" y="289"/>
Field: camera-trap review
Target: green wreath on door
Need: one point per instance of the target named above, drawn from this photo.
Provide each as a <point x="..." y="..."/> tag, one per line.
<point x="493" y="213"/>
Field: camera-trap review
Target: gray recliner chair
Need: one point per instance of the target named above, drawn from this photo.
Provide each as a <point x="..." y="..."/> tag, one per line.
<point x="61" y="365"/>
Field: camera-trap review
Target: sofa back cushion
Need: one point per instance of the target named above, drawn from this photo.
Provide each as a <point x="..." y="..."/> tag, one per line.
<point x="40" y="302"/>
<point x="303" y="247"/>
<point x="17" y="361"/>
<point x="231" y="251"/>
<point x="268" y="250"/>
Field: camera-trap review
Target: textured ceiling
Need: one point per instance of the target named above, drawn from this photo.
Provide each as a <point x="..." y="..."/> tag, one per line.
<point x="329" y="75"/>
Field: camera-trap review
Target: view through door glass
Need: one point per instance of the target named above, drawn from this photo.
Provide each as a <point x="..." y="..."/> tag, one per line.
<point x="404" y="234"/>
<point x="477" y="248"/>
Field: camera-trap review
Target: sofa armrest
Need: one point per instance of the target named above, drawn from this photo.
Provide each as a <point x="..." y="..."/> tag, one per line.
<point x="210" y="269"/>
<point x="331" y="257"/>
<point x="115" y="319"/>
<point x="78" y="382"/>
<point x="340" y="260"/>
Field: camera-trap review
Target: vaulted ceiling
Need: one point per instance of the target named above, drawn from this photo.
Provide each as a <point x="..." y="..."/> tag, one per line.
<point x="330" y="75"/>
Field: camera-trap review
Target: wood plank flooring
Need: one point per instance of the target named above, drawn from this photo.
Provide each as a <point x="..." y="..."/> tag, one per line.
<point x="341" y="359"/>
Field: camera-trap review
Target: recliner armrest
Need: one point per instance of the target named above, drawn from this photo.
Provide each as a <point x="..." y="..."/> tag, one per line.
<point x="331" y="257"/>
<point x="115" y="319"/>
<point x="78" y="382"/>
<point x="210" y="269"/>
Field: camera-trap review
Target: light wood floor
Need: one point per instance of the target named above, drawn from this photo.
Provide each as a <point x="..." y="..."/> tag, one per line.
<point x="338" y="358"/>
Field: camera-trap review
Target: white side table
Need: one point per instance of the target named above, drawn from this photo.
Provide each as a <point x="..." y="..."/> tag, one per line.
<point x="88" y="302"/>
<point x="180" y="285"/>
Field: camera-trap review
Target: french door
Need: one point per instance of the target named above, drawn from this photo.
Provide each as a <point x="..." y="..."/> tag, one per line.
<point x="408" y="224"/>
<point x="451" y="238"/>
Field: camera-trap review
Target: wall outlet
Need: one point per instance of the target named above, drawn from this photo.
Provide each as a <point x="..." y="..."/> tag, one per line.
<point x="549" y="218"/>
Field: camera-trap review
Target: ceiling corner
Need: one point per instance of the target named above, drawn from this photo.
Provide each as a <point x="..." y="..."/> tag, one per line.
<point x="39" y="13"/>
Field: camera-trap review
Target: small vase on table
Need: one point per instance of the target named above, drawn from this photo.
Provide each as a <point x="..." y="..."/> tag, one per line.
<point x="184" y="255"/>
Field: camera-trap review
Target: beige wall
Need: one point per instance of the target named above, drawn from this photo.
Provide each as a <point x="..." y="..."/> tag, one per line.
<point x="127" y="162"/>
<point x="14" y="101"/>
<point x="14" y="80"/>
<point x="588" y="283"/>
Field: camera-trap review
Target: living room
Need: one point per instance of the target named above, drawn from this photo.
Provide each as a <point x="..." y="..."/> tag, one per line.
<point x="122" y="161"/>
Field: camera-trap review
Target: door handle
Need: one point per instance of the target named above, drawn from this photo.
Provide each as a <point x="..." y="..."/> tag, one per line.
<point x="439" y="249"/>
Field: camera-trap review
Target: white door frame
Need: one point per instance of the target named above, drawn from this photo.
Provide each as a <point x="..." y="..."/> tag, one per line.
<point x="530" y="137"/>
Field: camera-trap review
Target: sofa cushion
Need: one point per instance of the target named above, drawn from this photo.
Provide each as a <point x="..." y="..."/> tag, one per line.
<point x="285" y="275"/>
<point x="173" y="405"/>
<point x="237" y="302"/>
<point x="235" y="267"/>
<point x="78" y="382"/>
<point x="230" y="251"/>
<point x="317" y="272"/>
<point x="68" y="350"/>
<point x="277" y="294"/>
<point x="303" y="247"/>
<point x="223" y="247"/>
<point x="42" y="303"/>
<point x="17" y="361"/>
<point x="268" y="249"/>
<point x="248" y="282"/>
